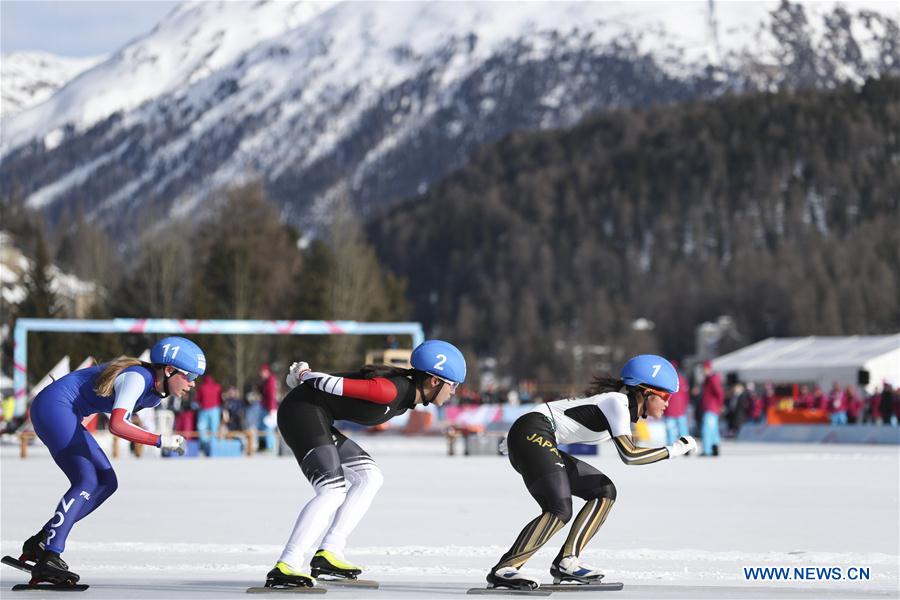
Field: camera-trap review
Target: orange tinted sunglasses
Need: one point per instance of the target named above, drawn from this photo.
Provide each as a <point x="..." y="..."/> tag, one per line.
<point x="662" y="394"/>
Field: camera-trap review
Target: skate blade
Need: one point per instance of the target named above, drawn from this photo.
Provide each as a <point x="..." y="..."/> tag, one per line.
<point x="330" y="581"/>
<point x="501" y="591"/>
<point x="286" y="590"/>
<point x="583" y="587"/>
<point x="50" y="587"/>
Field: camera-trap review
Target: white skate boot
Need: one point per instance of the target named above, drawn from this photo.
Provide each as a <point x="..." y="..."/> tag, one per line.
<point x="570" y="568"/>
<point x="509" y="577"/>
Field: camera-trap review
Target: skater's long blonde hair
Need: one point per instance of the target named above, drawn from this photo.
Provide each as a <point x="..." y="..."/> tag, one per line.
<point x="107" y="379"/>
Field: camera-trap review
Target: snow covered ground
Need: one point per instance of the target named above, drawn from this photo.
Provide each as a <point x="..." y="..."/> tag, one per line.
<point x="204" y="528"/>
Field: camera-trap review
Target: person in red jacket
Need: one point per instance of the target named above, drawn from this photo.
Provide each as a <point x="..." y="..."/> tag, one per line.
<point x="875" y="408"/>
<point x="805" y="399"/>
<point x="757" y="404"/>
<point x="676" y="411"/>
<point x="888" y="405"/>
<point x="712" y="400"/>
<point x="209" y="398"/>
<point x="268" y="405"/>
<point x="819" y="399"/>
<point x="837" y="405"/>
<point x="855" y="405"/>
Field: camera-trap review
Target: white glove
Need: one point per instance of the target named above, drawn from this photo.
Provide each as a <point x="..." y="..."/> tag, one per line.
<point x="503" y="448"/>
<point x="173" y="442"/>
<point x="682" y="446"/>
<point x="295" y="374"/>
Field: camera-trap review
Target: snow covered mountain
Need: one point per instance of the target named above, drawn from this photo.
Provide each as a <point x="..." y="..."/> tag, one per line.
<point x="379" y="100"/>
<point x="189" y="44"/>
<point x="29" y="78"/>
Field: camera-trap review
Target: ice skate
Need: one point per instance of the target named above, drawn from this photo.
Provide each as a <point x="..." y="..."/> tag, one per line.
<point x="51" y="568"/>
<point x="333" y="570"/>
<point x="283" y="579"/>
<point x="571" y="569"/>
<point x="326" y="562"/>
<point x="33" y="547"/>
<point x="36" y="583"/>
<point x="510" y="578"/>
<point x="283" y="576"/>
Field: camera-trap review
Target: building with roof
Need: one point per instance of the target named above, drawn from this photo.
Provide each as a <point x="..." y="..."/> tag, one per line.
<point x="867" y="361"/>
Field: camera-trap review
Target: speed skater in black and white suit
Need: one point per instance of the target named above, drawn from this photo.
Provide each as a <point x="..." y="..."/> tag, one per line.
<point x="553" y="476"/>
<point x="343" y="475"/>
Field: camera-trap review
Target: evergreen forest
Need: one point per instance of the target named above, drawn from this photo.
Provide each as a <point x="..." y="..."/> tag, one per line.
<point x="778" y="209"/>
<point x="557" y="253"/>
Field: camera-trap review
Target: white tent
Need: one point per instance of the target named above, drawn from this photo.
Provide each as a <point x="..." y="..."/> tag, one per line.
<point x="61" y="369"/>
<point x="817" y="360"/>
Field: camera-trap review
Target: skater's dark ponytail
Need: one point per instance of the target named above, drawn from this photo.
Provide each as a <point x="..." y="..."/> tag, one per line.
<point x="372" y="371"/>
<point x="418" y="377"/>
<point x="604" y="383"/>
<point x="105" y="385"/>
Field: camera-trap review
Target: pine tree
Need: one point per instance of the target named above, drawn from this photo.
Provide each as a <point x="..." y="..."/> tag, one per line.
<point x="248" y="263"/>
<point x="344" y="280"/>
<point x="41" y="302"/>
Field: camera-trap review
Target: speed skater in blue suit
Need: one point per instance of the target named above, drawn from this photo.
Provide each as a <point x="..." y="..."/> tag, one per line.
<point x="121" y="388"/>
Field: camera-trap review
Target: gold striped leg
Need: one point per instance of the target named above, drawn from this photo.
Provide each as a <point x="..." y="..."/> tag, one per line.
<point x="590" y="518"/>
<point x="530" y="540"/>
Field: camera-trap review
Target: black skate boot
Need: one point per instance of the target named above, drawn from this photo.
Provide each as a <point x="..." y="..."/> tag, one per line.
<point x="283" y="576"/>
<point x="326" y="563"/>
<point x="510" y="578"/>
<point x="32" y="548"/>
<point x="52" y="569"/>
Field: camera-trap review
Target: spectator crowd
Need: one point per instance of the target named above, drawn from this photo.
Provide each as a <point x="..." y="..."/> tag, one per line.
<point x="704" y="406"/>
<point x="213" y="409"/>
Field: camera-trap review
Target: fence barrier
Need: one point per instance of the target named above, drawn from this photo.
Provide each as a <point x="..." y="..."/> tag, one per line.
<point x="247" y="435"/>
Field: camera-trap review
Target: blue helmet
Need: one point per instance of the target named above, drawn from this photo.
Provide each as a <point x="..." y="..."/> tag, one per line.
<point x="652" y="371"/>
<point x="180" y="353"/>
<point x="441" y="359"/>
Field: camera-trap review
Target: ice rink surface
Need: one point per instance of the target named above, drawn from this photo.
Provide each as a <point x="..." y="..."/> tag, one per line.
<point x="202" y="528"/>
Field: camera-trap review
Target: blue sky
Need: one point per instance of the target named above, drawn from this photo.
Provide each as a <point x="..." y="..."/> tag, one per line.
<point x="75" y="27"/>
